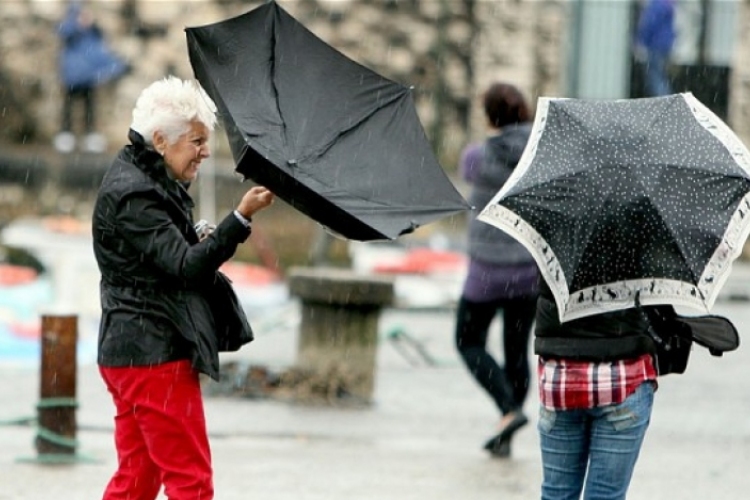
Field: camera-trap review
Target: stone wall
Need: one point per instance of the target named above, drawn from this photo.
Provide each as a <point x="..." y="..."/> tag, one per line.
<point x="447" y="49"/>
<point x="522" y="43"/>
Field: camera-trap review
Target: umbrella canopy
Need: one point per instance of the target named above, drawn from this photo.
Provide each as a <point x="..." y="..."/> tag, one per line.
<point x="620" y="199"/>
<point x="337" y="141"/>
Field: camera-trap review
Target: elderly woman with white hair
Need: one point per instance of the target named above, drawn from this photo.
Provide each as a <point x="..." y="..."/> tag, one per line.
<point x="166" y="310"/>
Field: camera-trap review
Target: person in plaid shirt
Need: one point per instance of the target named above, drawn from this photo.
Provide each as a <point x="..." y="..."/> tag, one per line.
<point x="597" y="380"/>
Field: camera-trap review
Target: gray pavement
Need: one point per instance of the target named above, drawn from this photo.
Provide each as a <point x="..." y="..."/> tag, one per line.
<point x="421" y="439"/>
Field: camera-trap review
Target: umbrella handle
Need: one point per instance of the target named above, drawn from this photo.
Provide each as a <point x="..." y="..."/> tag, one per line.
<point x="655" y="336"/>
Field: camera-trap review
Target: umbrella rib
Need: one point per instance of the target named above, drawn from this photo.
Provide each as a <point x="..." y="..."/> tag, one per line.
<point x="720" y="131"/>
<point x="274" y="87"/>
<point x="327" y="145"/>
<point x="674" y="235"/>
<point x="733" y="147"/>
<point x="322" y="149"/>
<point x="658" y="116"/>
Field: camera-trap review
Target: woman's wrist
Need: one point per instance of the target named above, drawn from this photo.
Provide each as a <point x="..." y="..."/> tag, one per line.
<point x="245" y="220"/>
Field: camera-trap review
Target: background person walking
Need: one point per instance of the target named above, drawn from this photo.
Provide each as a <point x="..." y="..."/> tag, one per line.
<point x="86" y="62"/>
<point x="502" y="275"/>
<point x="655" y="38"/>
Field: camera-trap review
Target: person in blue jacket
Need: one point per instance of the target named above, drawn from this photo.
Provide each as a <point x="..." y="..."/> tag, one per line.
<point x="655" y="37"/>
<point x="85" y="63"/>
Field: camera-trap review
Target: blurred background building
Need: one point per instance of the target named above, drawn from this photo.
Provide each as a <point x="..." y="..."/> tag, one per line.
<point x="448" y="50"/>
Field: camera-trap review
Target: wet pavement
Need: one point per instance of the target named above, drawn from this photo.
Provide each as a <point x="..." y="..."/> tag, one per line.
<point x="420" y="439"/>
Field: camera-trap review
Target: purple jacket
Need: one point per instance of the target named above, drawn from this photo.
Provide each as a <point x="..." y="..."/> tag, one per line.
<point x="499" y="266"/>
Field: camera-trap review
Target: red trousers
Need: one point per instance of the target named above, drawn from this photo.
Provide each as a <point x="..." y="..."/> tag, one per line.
<point x="160" y="433"/>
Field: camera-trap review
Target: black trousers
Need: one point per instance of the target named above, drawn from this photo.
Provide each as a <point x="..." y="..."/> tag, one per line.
<point x="508" y="385"/>
<point x="86" y="96"/>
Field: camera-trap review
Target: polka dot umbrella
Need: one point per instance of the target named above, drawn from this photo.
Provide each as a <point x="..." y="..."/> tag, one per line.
<point x="618" y="199"/>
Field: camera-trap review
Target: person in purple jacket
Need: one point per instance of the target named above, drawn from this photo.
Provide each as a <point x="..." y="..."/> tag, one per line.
<point x="655" y="37"/>
<point x="502" y="276"/>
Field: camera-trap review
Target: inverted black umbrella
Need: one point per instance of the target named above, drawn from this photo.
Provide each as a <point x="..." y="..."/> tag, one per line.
<point x="337" y="141"/>
<point x="619" y="199"/>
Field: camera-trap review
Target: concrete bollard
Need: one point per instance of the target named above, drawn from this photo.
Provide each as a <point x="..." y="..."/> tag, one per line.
<point x="339" y="327"/>
<point x="56" y="435"/>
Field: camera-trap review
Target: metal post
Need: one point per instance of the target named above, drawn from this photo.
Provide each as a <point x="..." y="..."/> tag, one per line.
<point x="56" y="435"/>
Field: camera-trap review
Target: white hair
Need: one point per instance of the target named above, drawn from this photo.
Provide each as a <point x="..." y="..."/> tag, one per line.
<point x="169" y="106"/>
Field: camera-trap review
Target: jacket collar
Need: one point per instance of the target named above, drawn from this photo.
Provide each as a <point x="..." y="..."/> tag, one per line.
<point x="152" y="163"/>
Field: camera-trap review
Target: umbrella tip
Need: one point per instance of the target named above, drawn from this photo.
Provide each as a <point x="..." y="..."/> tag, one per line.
<point x="413" y="226"/>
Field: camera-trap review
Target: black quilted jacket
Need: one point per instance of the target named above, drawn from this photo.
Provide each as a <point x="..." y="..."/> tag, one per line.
<point x="162" y="296"/>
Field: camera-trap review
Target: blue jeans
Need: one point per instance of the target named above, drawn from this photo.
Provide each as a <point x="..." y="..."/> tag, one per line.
<point x="657" y="78"/>
<point x="598" y="445"/>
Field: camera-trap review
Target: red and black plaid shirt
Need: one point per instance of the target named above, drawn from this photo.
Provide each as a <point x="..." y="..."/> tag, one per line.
<point x="573" y="385"/>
